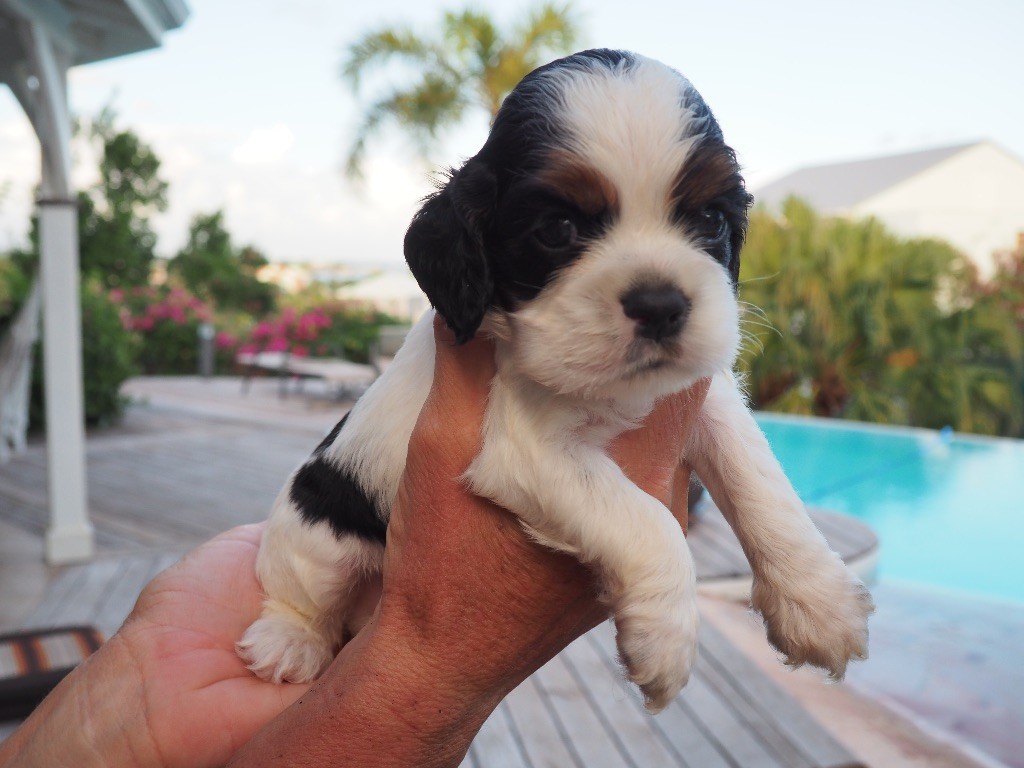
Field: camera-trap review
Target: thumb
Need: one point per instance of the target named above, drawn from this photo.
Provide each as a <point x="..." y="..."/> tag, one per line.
<point x="462" y="373"/>
<point x="449" y="424"/>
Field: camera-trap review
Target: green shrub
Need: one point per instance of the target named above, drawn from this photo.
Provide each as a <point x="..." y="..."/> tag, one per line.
<point x="14" y="287"/>
<point x="108" y="353"/>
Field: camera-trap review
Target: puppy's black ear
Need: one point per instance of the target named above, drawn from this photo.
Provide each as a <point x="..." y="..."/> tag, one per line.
<point x="739" y="235"/>
<point x="445" y="248"/>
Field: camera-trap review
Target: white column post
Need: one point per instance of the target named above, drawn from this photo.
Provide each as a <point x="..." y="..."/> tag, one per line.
<point x="69" y="536"/>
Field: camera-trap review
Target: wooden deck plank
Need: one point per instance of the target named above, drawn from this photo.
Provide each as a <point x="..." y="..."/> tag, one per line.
<point x="717" y="553"/>
<point x="755" y="706"/>
<point x="712" y="533"/>
<point x="591" y="743"/>
<point x="777" y="707"/>
<point x="692" y="745"/>
<point x="618" y="707"/>
<point x="695" y="747"/>
<point x="497" y="745"/>
<point x="751" y="719"/>
<point x="541" y="736"/>
<point x="120" y="600"/>
<point x="847" y="537"/>
<point x="715" y="716"/>
<point x="74" y="594"/>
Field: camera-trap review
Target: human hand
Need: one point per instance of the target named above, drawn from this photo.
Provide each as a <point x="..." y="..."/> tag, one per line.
<point x="168" y="688"/>
<point x="470" y="605"/>
<point x="462" y="579"/>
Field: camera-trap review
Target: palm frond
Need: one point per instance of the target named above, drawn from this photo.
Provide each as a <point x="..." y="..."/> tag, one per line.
<point x="422" y="109"/>
<point x="473" y="36"/>
<point x="378" y="48"/>
<point x="551" y="28"/>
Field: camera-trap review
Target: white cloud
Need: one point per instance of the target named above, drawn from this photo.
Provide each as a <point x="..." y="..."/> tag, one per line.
<point x="264" y="146"/>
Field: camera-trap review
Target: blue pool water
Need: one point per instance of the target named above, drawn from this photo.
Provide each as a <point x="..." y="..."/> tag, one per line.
<point x="949" y="509"/>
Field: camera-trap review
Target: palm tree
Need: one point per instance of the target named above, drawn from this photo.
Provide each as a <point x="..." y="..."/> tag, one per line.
<point x="470" y="64"/>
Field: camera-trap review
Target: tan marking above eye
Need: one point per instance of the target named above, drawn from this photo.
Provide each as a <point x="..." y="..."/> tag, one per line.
<point x="709" y="171"/>
<point x="582" y="185"/>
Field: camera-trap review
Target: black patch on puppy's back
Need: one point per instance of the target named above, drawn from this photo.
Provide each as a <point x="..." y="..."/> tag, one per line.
<point x="324" y="492"/>
<point x="328" y="441"/>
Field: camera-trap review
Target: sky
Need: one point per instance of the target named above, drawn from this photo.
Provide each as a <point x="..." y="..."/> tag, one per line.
<point x="245" y="107"/>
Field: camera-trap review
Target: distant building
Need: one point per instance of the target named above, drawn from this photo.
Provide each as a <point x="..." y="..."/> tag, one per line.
<point x="290" y="278"/>
<point x="394" y="291"/>
<point x="971" y="195"/>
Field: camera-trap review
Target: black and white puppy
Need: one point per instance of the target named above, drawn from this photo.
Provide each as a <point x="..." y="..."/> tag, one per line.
<point x="596" y="238"/>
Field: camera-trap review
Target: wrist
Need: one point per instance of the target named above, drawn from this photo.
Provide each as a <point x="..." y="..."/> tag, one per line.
<point x="379" y="704"/>
<point x="94" y="717"/>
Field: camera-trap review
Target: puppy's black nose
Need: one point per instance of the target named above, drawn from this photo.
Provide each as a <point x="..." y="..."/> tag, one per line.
<point x="660" y="311"/>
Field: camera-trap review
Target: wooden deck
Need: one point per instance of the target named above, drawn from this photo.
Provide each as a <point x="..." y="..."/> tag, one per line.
<point x="192" y="463"/>
<point x="576" y="711"/>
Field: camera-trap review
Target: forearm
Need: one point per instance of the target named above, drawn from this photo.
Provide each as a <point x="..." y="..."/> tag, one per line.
<point x="93" y="718"/>
<point x="380" y="704"/>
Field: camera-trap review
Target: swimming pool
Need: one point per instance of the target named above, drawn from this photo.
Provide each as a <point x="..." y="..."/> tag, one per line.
<point x="948" y="508"/>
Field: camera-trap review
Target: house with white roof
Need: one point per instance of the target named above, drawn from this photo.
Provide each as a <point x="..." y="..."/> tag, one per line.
<point x="970" y="195"/>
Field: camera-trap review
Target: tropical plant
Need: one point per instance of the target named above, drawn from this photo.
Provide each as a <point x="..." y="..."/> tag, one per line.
<point x="108" y="360"/>
<point x="329" y="329"/>
<point x="166" y="321"/>
<point x="213" y="269"/>
<point x="115" y="239"/>
<point x="15" y="284"/>
<point x="471" y="62"/>
<point x="116" y="243"/>
<point x="847" y="320"/>
<point x="1006" y="285"/>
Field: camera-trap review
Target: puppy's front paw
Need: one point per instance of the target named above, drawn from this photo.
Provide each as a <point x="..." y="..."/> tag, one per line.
<point x="658" y="648"/>
<point x="281" y="646"/>
<point x="820" y="618"/>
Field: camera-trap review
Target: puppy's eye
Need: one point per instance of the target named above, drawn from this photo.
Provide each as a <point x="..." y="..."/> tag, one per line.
<point x="713" y="223"/>
<point x="556" y="233"/>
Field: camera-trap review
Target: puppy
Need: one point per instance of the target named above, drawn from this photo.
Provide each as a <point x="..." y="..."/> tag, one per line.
<point x="596" y="238"/>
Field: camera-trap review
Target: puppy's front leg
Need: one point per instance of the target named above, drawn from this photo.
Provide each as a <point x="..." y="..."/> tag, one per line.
<point x="575" y="499"/>
<point x="815" y="610"/>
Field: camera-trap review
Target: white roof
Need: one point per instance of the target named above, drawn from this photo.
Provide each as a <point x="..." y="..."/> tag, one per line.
<point x="840" y="186"/>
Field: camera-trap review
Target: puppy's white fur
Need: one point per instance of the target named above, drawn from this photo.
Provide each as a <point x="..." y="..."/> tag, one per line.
<point x="556" y="401"/>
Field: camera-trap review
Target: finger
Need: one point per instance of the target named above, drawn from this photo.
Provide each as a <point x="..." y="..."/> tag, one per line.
<point x="650" y="455"/>
<point x="449" y="423"/>
<point x="464" y="371"/>
<point x="679" y="495"/>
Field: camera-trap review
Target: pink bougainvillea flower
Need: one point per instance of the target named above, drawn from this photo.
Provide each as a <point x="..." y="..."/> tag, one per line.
<point x="225" y="340"/>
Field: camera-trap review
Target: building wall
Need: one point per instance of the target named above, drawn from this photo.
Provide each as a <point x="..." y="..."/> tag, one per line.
<point x="974" y="200"/>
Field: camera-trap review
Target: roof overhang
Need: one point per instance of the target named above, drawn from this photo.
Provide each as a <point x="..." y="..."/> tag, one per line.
<point x="86" y="30"/>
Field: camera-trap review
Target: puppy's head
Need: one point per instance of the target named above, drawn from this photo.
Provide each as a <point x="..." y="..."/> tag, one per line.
<point x="599" y="229"/>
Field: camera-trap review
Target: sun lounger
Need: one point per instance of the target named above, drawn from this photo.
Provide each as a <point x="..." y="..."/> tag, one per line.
<point x="33" y="662"/>
<point x="343" y="378"/>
